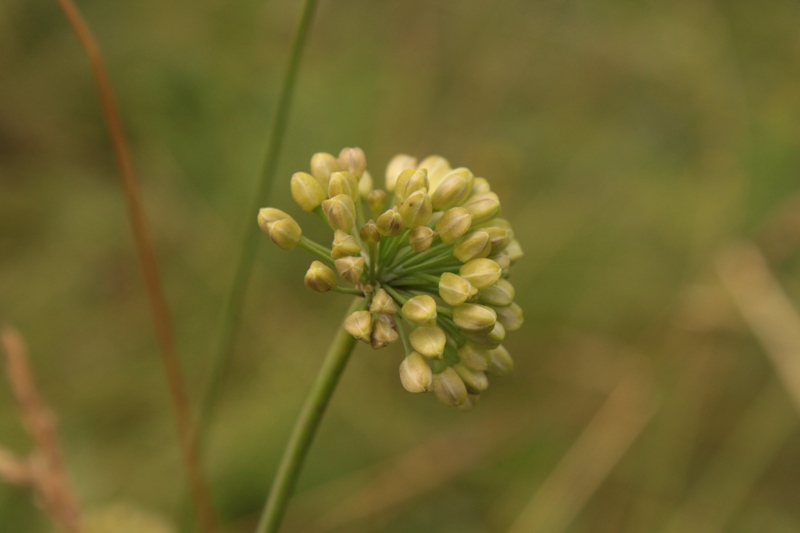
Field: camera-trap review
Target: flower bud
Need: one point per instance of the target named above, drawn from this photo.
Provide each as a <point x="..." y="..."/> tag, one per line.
<point x="453" y="224"/>
<point x="285" y="233"/>
<point x="382" y="304"/>
<point x="322" y="166"/>
<point x="421" y="238"/>
<point x="502" y="260"/>
<point x="454" y="189"/>
<point x="474" y="317"/>
<point x="415" y="373"/>
<point x="389" y="320"/>
<point x="409" y="181"/>
<point x="350" y="268"/>
<point x="369" y="233"/>
<point x="420" y="310"/>
<point x="454" y="289"/>
<point x="365" y="184"/>
<point x="449" y="388"/>
<point x="320" y="278"/>
<point x="343" y="183"/>
<point x="341" y="212"/>
<point x="416" y="209"/>
<point x="382" y="335"/>
<point x="398" y="164"/>
<point x="376" y="199"/>
<point x="487" y="340"/>
<point x="268" y="215"/>
<point x="470" y="403"/>
<point x="501" y="294"/>
<point x="475" y="380"/>
<point x="480" y="272"/>
<point x="390" y="223"/>
<point x="476" y="245"/>
<point x="428" y="340"/>
<point x="510" y="317"/>
<point x="483" y="206"/>
<point x="353" y="161"/>
<point x="306" y="191"/>
<point x="514" y="251"/>
<point x="500" y="362"/>
<point x="437" y="167"/>
<point x="480" y="186"/>
<point x="359" y="325"/>
<point x="344" y="244"/>
<point x="499" y="238"/>
<point x="473" y="356"/>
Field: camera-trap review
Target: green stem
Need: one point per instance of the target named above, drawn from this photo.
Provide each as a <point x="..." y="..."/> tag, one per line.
<point x="306" y="426"/>
<point x="309" y="246"/>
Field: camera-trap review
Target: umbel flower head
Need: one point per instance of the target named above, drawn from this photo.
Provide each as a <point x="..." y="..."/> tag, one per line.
<point x="429" y="255"/>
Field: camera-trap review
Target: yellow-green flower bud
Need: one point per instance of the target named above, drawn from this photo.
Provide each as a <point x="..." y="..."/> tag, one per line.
<point x="470" y="403"/>
<point x="476" y="245"/>
<point x="398" y="164"/>
<point x="511" y="317"/>
<point x="353" y="160"/>
<point x="285" y="233"/>
<point x="456" y="187"/>
<point x="454" y="289"/>
<point x="415" y="373"/>
<point x="500" y="361"/>
<point x="499" y="237"/>
<point x="501" y="294"/>
<point x="487" y="340"/>
<point x="320" y="278"/>
<point x="453" y="224"/>
<point x="390" y="223"/>
<point x="421" y="238"/>
<point x="322" y="166"/>
<point x="409" y="181"/>
<point x="514" y="251"/>
<point x="474" y="317"/>
<point x="475" y="380"/>
<point x="480" y="272"/>
<point x="473" y="356"/>
<point x="420" y="310"/>
<point x="376" y="199"/>
<point x="449" y="388"/>
<point x="365" y="184"/>
<point x="359" y="325"/>
<point x="350" y="268"/>
<point x="306" y="191"/>
<point x="502" y="260"/>
<point x="482" y="206"/>
<point x="437" y="168"/>
<point x="343" y="183"/>
<point x="344" y="244"/>
<point x="341" y="212"/>
<point x="369" y="233"/>
<point x="416" y="209"/>
<point x="382" y="335"/>
<point x="428" y="340"/>
<point x="480" y="186"/>
<point x="382" y="304"/>
<point x="268" y="215"/>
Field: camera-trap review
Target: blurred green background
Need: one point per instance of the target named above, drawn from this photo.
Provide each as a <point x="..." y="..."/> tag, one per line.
<point x="629" y="142"/>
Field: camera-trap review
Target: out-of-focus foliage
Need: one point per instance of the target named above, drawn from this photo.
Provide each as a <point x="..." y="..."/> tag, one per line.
<point x="629" y="143"/>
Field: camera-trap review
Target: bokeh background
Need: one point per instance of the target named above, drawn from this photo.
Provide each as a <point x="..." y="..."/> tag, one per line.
<point x="648" y="155"/>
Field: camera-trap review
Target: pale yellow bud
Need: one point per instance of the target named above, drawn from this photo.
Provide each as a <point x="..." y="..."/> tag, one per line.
<point x="322" y="166"/>
<point x="359" y="325"/>
<point x="409" y="181"/>
<point x="350" y="268"/>
<point x="382" y="304"/>
<point x="421" y="238"/>
<point x="501" y="294"/>
<point x="480" y="186"/>
<point x="511" y="317"/>
<point x="382" y="335"/>
<point x="491" y="339"/>
<point x="390" y="223"/>
<point x="456" y="187"/>
<point x="320" y="278"/>
<point x="482" y="206"/>
<point x="474" y="317"/>
<point x="473" y="356"/>
<point x="353" y="160"/>
<point x="420" y="310"/>
<point x="449" y="388"/>
<point x="503" y="261"/>
<point x="470" y="403"/>
<point x="341" y="212"/>
<point x="437" y="168"/>
<point x="415" y="373"/>
<point x="306" y="191"/>
<point x="453" y="224"/>
<point x="480" y="272"/>
<point x="268" y="215"/>
<point x="398" y="164"/>
<point x="454" y="289"/>
<point x="500" y="361"/>
<point x="475" y="380"/>
<point x="416" y="209"/>
<point x="376" y="199"/>
<point x="365" y="184"/>
<point x="344" y="244"/>
<point x="498" y="237"/>
<point x="285" y="233"/>
<point x="514" y="251"/>
<point x="343" y="183"/>
<point x="369" y="233"/>
<point x="428" y="340"/>
<point x="476" y="245"/>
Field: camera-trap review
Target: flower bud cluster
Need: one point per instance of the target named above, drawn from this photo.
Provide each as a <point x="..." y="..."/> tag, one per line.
<point x="429" y="255"/>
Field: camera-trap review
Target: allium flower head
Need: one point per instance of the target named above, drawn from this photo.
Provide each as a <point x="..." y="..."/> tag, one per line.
<point x="428" y="254"/>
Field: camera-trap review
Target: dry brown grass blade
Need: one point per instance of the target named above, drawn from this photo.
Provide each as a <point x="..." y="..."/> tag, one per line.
<point x="45" y="470"/>
<point x="147" y="260"/>
<point x="592" y="457"/>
